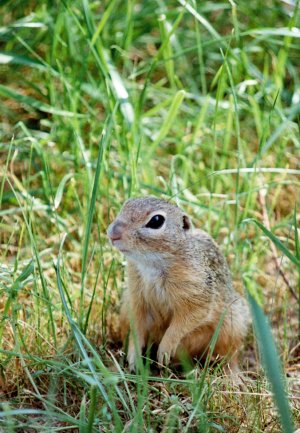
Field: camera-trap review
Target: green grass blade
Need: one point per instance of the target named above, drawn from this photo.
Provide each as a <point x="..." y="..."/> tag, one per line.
<point x="76" y="331"/>
<point x="154" y="63"/>
<point x="60" y="189"/>
<point x="27" y="271"/>
<point x="283" y="126"/>
<point x="82" y="421"/>
<point x="92" y="409"/>
<point x="103" y="20"/>
<point x="13" y="291"/>
<point x="202" y="20"/>
<point x="81" y="341"/>
<point x="32" y="102"/>
<point x="103" y="58"/>
<point x="297" y="253"/>
<point x="102" y="146"/>
<point x="177" y="101"/>
<point x="277" y="242"/>
<point x="240" y="157"/>
<point x="280" y="31"/>
<point x="25" y="208"/>
<point x="15" y="59"/>
<point x="271" y="362"/>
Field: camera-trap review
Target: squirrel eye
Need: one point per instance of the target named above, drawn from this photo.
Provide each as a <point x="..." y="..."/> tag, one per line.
<point x="156" y="222"/>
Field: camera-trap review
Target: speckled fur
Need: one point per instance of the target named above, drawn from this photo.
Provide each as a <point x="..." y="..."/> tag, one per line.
<point x="179" y="285"/>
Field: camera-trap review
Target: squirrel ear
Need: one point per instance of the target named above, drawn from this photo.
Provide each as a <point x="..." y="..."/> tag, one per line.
<point x="186" y="222"/>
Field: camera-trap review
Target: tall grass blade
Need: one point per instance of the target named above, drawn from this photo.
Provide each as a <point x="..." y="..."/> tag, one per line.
<point x="280" y="31"/>
<point x="17" y="285"/>
<point x="60" y="189"/>
<point x="35" y="103"/>
<point x="25" y="207"/>
<point x="15" y="59"/>
<point x="202" y="20"/>
<point x="81" y="341"/>
<point x="92" y="409"/>
<point x="82" y="428"/>
<point x="280" y="129"/>
<point x="270" y="361"/>
<point x="157" y="57"/>
<point x="75" y="330"/>
<point x="297" y="253"/>
<point x="277" y="242"/>
<point x="117" y="85"/>
<point x="102" y="146"/>
<point x="177" y="101"/>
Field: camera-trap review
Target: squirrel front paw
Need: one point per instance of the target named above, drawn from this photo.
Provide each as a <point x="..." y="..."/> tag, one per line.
<point x="165" y="354"/>
<point x="131" y="359"/>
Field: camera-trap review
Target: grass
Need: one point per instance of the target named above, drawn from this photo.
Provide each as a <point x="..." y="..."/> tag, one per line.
<point x="100" y="101"/>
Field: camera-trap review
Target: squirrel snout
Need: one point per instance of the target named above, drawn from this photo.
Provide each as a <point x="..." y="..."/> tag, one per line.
<point x="115" y="230"/>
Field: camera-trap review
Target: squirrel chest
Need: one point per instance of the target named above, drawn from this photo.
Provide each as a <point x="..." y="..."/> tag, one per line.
<point x="153" y="289"/>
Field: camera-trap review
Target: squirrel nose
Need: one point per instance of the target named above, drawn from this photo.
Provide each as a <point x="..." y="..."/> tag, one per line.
<point x="115" y="230"/>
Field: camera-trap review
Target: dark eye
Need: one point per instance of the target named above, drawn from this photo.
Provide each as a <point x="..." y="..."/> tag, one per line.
<point x="156" y="222"/>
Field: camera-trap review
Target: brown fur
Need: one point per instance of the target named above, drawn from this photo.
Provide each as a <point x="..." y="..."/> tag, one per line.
<point x="179" y="285"/>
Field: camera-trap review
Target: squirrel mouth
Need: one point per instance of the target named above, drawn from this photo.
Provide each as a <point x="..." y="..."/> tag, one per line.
<point x="119" y="245"/>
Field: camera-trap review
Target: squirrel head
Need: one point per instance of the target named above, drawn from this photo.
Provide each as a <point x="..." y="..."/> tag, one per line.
<point x="149" y="225"/>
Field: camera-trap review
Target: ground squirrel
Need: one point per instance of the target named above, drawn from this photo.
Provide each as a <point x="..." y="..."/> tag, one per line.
<point x="179" y="285"/>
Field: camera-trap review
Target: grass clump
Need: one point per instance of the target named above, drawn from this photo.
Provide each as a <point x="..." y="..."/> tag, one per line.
<point x="101" y="101"/>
